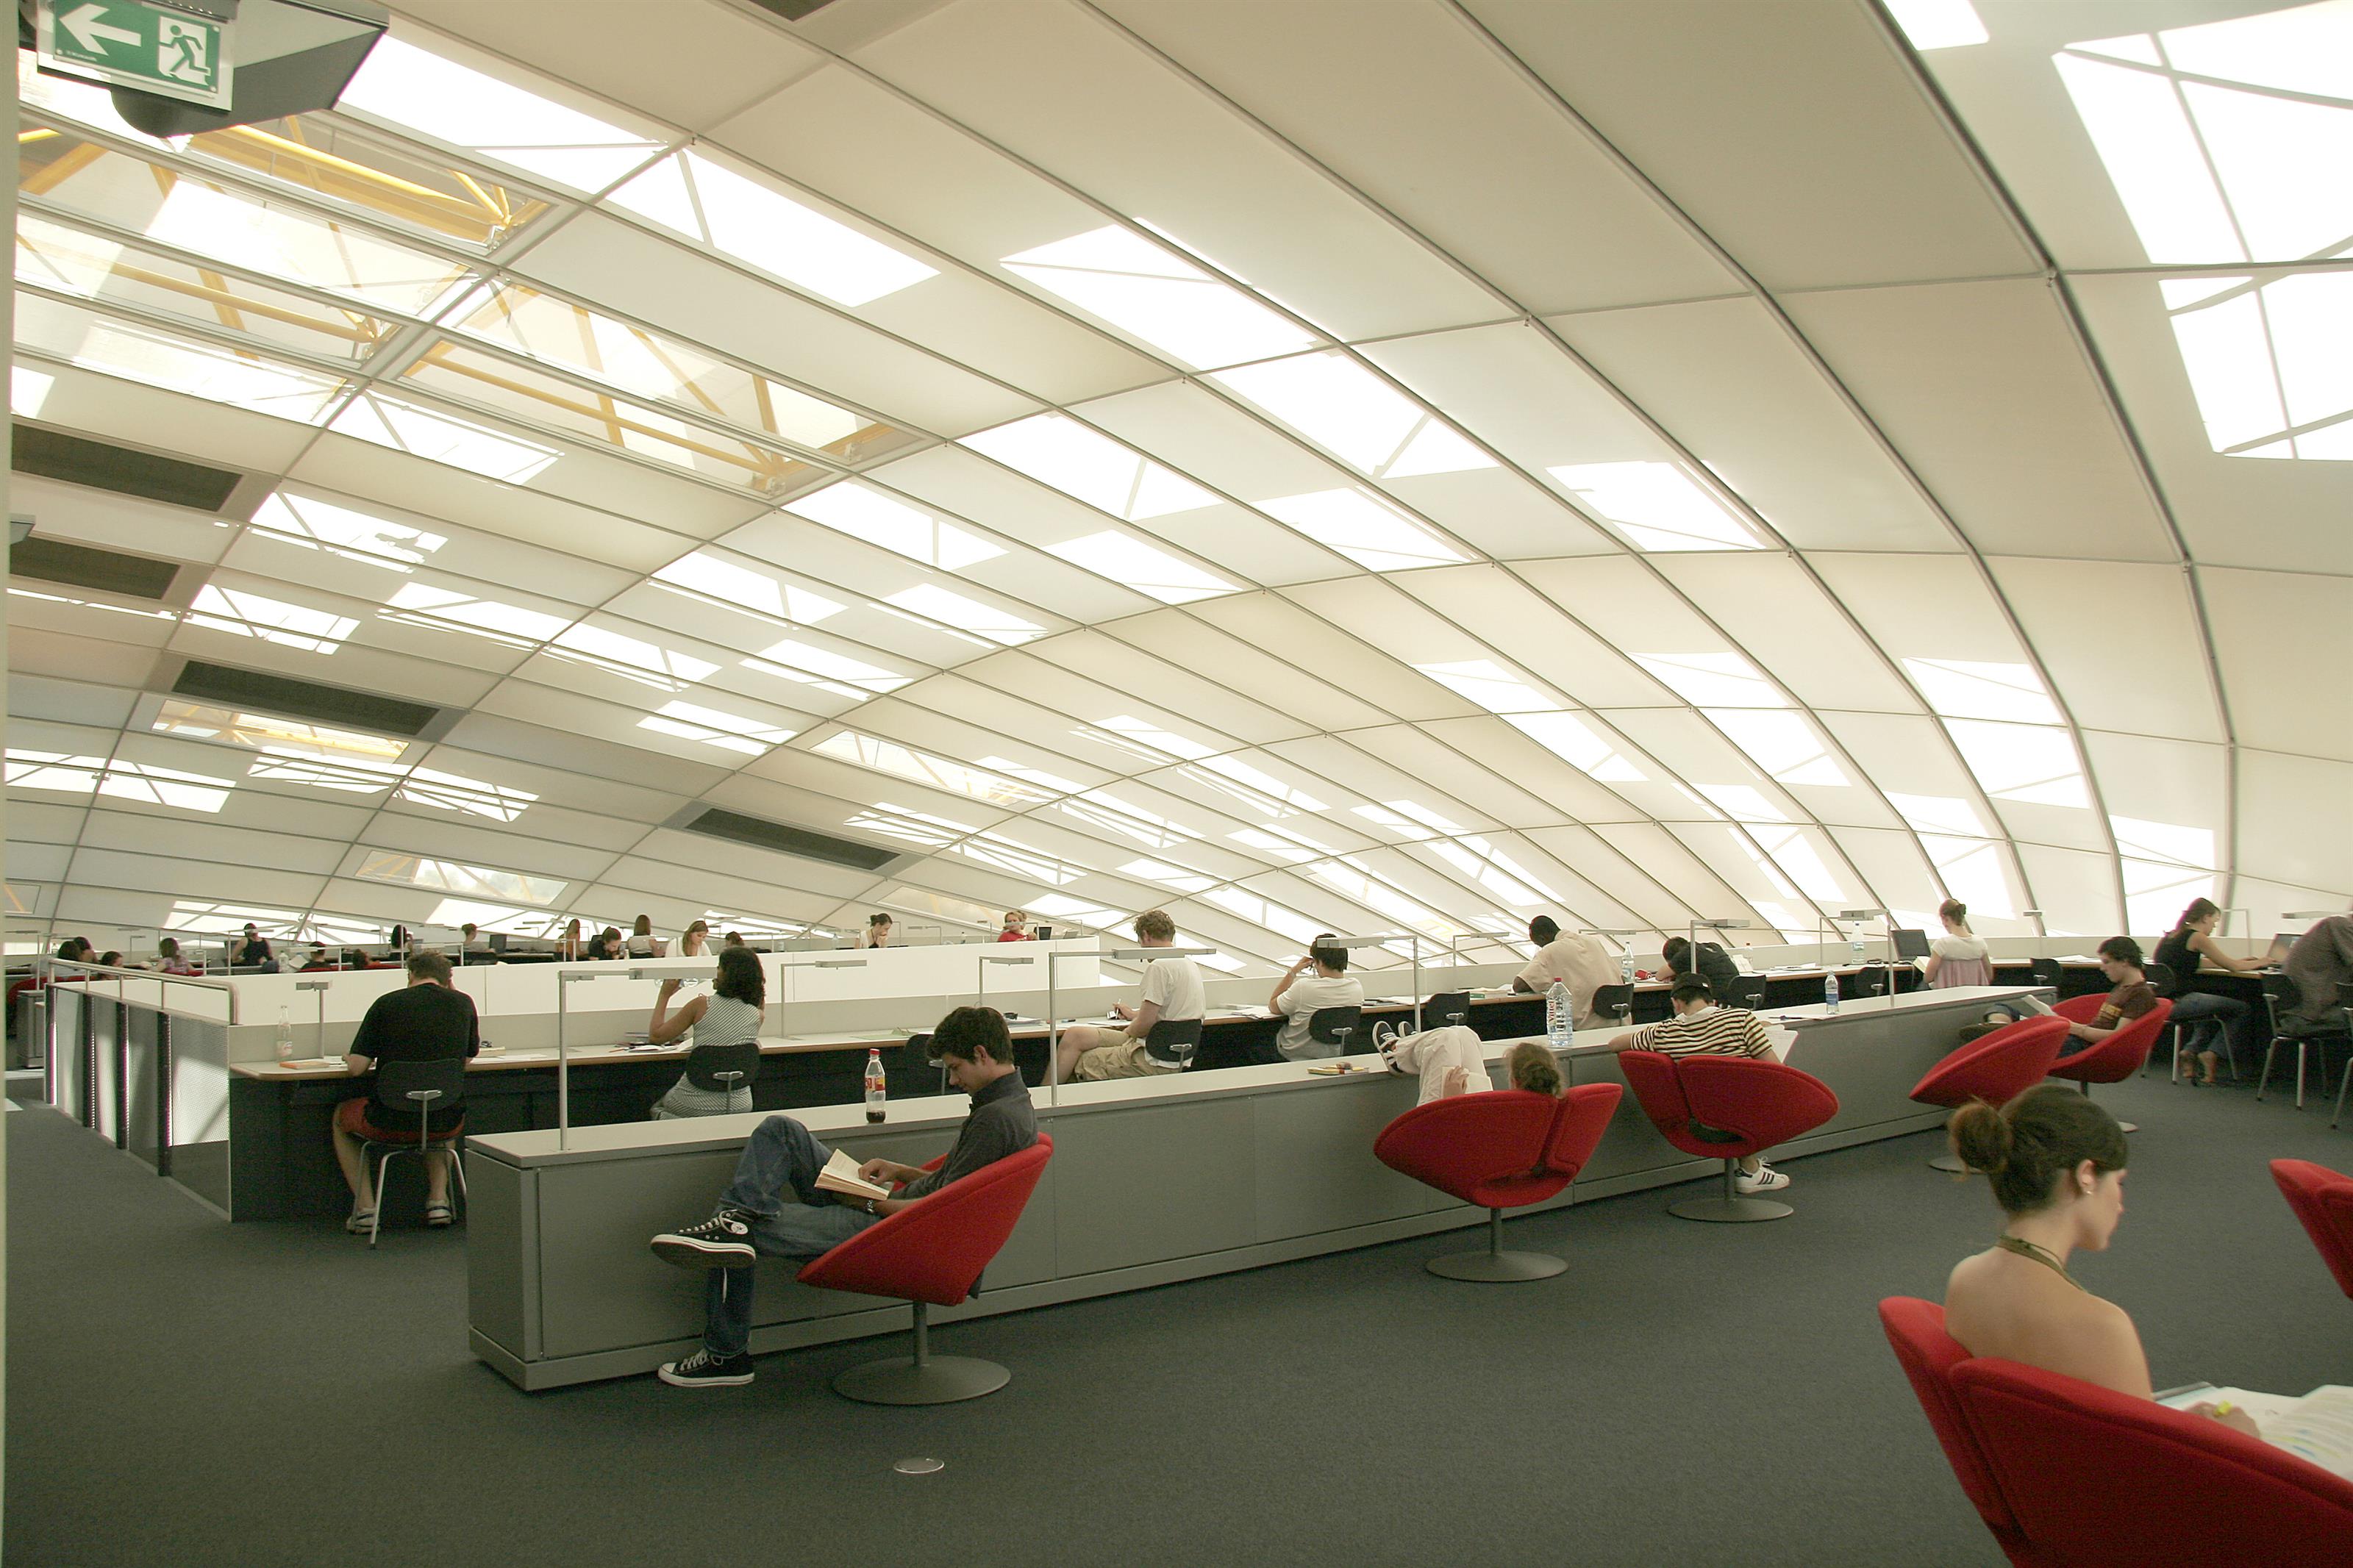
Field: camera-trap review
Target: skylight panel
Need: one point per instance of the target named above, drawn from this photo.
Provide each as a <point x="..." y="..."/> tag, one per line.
<point x="1783" y="744"/>
<point x="1941" y="813"/>
<point x="1142" y="567"/>
<point x="1491" y="686"/>
<point x="261" y="731"/>
<point x="747" y="588"/>
<point x="1569" y="738"/>
<point x="276" y="241"/>
<point x="1351" y="880"/>
<point x="796" y="660"/>
<point x="2174" y="842"/>
<point x="1261" y="791"/>
<point x="635" y="658"/>
<point x="715" y="727"/>
<point x="1102" y="808"/>
<point x="2138" y="122"/>
<point x="249" y="614"/>
<point x="446" y="609"/>
<point x="1143" y="739"/>
<point x="1356" y="416"/>
<point x="1152" y="294"/>
<point x="1967" y="689"/>
<point x="443" y="438"/>
<point x="863" y="512"/>
<point x="1061" y="907"/>
<point x="345" y="530"/>
<point x="347" y="775"/>
<point x="1742" y="802"/>
<point x="940" y="773"/>
<point x="1010" y="854"/>
<point x="411" y="87"/>
<point x="193" y="915"/>
<point x="1971" y="870"/>
<point x="937" y="604"/>
<point x="2157" y="890"/>
<point x="96" y="606"/>
<point x="116" y="779"/>
<point x="29" y="390"/>
<point x="1657" y="506"/>
<point x="1938" y="24"/>
<point x="1711" y="680"/>
<point x="474" y="797"/>
<point x="2016" y="761"/>
<point x="1264" y="911"/>
<point x="1367" y="529"/>
<point x="1492" y="870"/>
<point x="1056" y="450"/>
<point x="740" y="217"/>
<point x="1035" y="775"/>
<point x="1172" y="877"/>
<point x="924" y="827"/>
<point x="454" y="877"/>
<point x="148" y="355"/>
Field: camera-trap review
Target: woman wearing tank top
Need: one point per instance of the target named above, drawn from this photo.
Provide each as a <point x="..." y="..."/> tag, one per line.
<point x="2205" y="1018"/>
<point x="729" y="1017"/>
<point x="1960" y="956"/>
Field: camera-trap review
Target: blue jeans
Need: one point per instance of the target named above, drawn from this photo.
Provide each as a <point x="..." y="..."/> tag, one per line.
<point x="775" y="1178"/>
<point x="2205" y="1018"/>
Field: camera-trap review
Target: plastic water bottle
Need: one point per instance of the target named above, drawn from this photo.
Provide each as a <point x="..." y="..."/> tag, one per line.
<point x="285" y="1036"/>
<point x="874" y="1085"/>
<point x="1556" y="1015"/>
<point x="1626" y="970"/>
<point x="1829" y="994"/>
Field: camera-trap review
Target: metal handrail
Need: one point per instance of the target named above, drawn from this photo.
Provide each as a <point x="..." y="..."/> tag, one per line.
<point x="46" y="966"/>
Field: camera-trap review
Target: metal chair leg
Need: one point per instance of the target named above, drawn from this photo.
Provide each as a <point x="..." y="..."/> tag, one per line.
<point x="2299" y="1075"/>
<point x="2343" y="1084"/>
<point x="375" y="1214"/>
<point x="2264" y="1084"/>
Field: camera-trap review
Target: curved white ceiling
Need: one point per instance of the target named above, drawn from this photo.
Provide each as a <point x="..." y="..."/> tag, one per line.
<point x="1310" y="466"/>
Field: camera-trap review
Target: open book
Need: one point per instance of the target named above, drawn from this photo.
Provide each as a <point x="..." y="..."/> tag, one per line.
<point x="2318" y="1427"/>
<point x="840" y="1175"/>
<point x="2039" y="1005"/>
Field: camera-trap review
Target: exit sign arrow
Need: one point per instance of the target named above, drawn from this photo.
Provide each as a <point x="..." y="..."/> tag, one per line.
<point x="150" y="44"/>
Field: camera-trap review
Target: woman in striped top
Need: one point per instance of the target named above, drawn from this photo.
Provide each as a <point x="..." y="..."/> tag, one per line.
<point x="728" y="1017"/>
<point x="1699" y="1026"/>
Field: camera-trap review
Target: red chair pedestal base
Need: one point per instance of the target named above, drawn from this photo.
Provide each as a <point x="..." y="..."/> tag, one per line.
<point x="1732" y="1208"/>
<point x="1495" y="1266"/>
<point x="921" y="1378"/>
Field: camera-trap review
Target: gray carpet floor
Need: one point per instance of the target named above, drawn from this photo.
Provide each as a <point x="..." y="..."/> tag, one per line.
<point x="184" y="1391"/>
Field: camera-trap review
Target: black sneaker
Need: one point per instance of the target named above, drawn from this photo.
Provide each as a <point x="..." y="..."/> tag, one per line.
<point x="722" y="1241"/>
<point x="703" y="1370"/>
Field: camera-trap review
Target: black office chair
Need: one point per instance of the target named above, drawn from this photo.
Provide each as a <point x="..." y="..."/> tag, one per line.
<point x="1871" y="980"/>
<point x="428" y="1085"/>
<point x="1747" y="992"/>
<point x="723" y="1069"/>
<point x="1173" y="1041"/>
<point x="1615" y="1000"/>
<point x="2282" y="997"/>
<point x="2161" y="980"/>
<point x="2048" y="971"/>
<point x="1335" y="1026"/>
<point x="919" y="1058"/>
<point x="1446" y="1007"/>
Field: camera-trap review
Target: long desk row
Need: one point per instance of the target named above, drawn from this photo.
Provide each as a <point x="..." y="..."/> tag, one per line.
<point x="283" y="1165"/>
<point x="1153" y="1180"/>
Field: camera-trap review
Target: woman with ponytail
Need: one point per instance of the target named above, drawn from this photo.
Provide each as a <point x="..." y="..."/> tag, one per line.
<point x="2056" y="1161"/>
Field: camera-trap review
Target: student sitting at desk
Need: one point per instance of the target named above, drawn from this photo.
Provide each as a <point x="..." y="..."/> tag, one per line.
<point x="1713" y="964"/>
<point x="168" y="951"/>
<point x="1960" y="956"/>
<point x="2205" y="1014"/>
<point x="729" y="1017"/>
<point x="2056" y="1161"/>
<point x="1015" y="927"/>
<point x="695" y="941"/>
<point x="425" y="1021"/>
<point x="774" y="1206"/>
<point x="2320" y="961"/>
<point x="1172" y="990"/>
<point x="318" y="959"/>
<point x="878" y="930"/>
<point x="1700" y="1027"/>
<point x="1566" y="956"/>
<point x="1298" y="994"/>
<point x="2131" y="996"/>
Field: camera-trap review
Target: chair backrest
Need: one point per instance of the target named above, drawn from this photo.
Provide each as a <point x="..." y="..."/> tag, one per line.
<point x="2322" y="1201"/>
<point x="1659" y="1091"/>
<point x="1446" y="1007"/>
<point x="1748" y="991"/>
<point x="1915" y="1332"/>
<point x="1335" y="1026"/>
<point x="934" y="1248"/>
<point x="2280" y="996"/>
<point x="705" y="1063"/>
<point x="1765" y="1101"/>
<point x="1995" y="1068"/>
<point x="2166" y="1485"/>
<point x="1577" y="1129"/>
<point x="2081" y="1009"/>
<point x="444" y="1080"/>
<point x="1172" y="1040"/>
<point x="2047" y="972"/>
<point x="2122" y="1053"/>
<point x="1485" y="1148"/>
<point x="1613" y="1001"/>
<point x="2161" y="979"/>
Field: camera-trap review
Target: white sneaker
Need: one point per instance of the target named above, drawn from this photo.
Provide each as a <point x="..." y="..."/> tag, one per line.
<point x="1766" y="1179"/>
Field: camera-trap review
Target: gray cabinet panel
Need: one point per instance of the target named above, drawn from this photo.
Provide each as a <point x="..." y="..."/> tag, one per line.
<point x="1154" y="1183"/>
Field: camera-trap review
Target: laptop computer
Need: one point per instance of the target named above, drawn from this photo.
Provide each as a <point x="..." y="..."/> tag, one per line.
<point x="1909" y="944"/>
<point x="2280" y="942"/>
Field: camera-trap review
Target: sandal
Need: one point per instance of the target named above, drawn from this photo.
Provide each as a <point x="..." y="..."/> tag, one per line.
<point x="437" y="1214"/>
<point x="361" y="1222"/>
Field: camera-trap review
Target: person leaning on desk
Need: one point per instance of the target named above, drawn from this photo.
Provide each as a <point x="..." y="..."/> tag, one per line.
<point x="424" y="1021"/>
<point x="1570" y="957"/>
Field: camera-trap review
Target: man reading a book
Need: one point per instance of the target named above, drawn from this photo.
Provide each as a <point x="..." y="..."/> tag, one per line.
<point x="785" y="1202"/>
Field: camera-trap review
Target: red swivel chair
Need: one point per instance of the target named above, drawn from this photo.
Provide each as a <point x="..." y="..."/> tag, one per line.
<point x="1727" y="1108"/>
<point x="931" y="1254"/>
<point x="2323" y="1200"/>
<point x="1916" y="1332"/>
<point x="1503" y="1150"/>
<point x="2120" y="1055"/>
<point x="2100" y="1479"/>
<point x="1995" y="1067"/>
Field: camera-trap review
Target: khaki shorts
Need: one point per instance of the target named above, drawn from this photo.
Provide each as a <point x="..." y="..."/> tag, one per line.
<point x="1122" y="1059"/>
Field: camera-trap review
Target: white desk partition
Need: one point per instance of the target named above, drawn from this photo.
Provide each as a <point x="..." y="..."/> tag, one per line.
<point x="948" y="971"/>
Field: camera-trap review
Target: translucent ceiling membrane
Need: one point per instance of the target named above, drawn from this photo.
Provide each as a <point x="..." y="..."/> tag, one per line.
<point x="1060" y="451"/>
<point x="1151" y="294"/>
<point x="136" y="351"/>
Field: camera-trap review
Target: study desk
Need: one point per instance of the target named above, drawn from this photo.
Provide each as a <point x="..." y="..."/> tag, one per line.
<point x="1154" y="1179"/>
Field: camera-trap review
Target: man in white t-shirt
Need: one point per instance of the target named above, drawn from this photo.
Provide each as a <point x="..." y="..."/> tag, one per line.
<point x="1172" y="990"/>
<point x="1566" y="956"/>
<point x="1299" y="994"/>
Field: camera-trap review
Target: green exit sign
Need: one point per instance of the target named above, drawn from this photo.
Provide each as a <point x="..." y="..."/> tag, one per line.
<point x="153" y="47"/>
